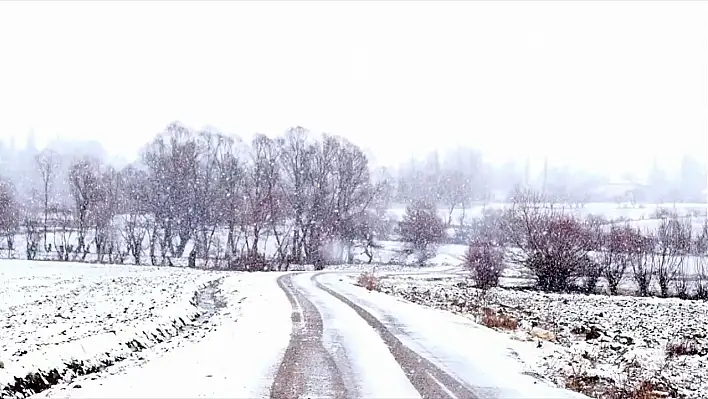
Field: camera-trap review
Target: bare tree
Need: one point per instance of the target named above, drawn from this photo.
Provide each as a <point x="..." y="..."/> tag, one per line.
<point x="421" y="228"/>
<point x="84" y="179"/>
<point x="550" y="243"/>
<point x="592" y="268"/>
<point x="670" y="246"/>
<point x="231" y="179"/>
<point x="354" y="194"/>
<point x="320" y="218"/>
<point x="701" y="272"/>
<point x="258" y="189"/>
<point x="9" y="214"/>
<point x="681" y="282"/>
<point x="456" y="191"/>
<point x="172" y="163"/>
<point x="643" y="266"/>
<point x="295" y="163"/>
<point x="63" y="230"/>
<point x="105" y="206"/>
<point x="367" y="227"/>
<point x="47" y="162"/>
<point x="32" y="235"/>
<point x="212" y="148"/>
<point x="132" y="194"/>
<point x="278" y="212"/>
<point x="618" y="248"/>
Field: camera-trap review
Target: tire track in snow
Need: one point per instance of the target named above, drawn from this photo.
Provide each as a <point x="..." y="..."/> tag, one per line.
<point x="430" y="381"/>
<point x="307" y="369"/>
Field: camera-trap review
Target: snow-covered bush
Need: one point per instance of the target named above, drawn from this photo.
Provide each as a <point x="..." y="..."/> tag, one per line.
<point x="422" y="229"/>
<point x="552" y="244"/>
<point x="485" y="262"/>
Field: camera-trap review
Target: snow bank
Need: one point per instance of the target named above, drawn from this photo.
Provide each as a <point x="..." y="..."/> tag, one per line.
<point x="63" y="320"/>
<point x="237" y="358"/>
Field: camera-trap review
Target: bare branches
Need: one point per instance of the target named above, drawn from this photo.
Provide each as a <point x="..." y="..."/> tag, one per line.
<point x="485" y="261"/>
<point x="32" y="236"/>
<point x="422" y="228"/>
<point x="172" y="165"/>
<point x="619" y="248"/>
<point x="89" y="196"/>
<point x="9" y="213"/>
<point x="669" y="247"/>
<point x="553" y="245"/>
<point x="47" y="162"/>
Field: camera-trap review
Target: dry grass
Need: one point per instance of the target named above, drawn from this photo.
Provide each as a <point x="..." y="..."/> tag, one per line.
<point x="584" y="384"/>
<point x="630" y="385"/>
<point x="645" y="390"/>
<point x="683" y="347"/>
<point x="596" y="387"/>
<point x="369" y="281"/>
<point x="502" y="321"/>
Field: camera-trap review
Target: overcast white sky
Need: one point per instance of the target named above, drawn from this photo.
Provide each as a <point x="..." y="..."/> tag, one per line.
<point x="592" y="83"/>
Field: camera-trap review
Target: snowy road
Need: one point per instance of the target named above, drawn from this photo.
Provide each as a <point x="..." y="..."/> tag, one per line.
<point x="310" y="335"/>
<point x="331" y="320"/>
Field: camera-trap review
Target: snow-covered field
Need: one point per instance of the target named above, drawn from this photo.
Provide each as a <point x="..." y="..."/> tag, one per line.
<point x="59" y="320"/>
<point x="241" y="356"/>
<point x="63" y="319"/>
<point x="233" y="359"/>
<point x="601" y="341"/>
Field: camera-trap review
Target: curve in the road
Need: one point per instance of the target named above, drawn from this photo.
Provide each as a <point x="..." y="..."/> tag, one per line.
<point x="307" y="368"/>
<point x="430" y="381"/>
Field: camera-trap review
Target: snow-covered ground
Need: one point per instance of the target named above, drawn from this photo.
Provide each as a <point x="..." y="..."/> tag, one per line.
<point x="600" y="340"/>
<point x="122" y="323"/>
<point x="63" y="319"/>
<point x="241" y="356"/>
<point x="236" y="359"/>
<point x="467" y="351"/>
<point x="235" y="352"/>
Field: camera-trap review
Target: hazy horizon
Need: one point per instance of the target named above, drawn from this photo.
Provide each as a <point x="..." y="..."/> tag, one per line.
<point x="602" y="86"/>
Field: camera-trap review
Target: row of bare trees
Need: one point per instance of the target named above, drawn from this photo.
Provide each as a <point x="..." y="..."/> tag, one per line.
<point x="564" y="253"/>
<point x="209" y="198"/>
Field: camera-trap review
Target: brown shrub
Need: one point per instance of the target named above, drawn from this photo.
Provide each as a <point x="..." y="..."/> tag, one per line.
<point x="486" y="263"/>
<point x="683" y="347"/>
<point x="368" y="281"/>
<point x="502" y="321"/>
<point x="645" y="390"/>
<point x="595" y="386"/>
<point x="552" y="244"/>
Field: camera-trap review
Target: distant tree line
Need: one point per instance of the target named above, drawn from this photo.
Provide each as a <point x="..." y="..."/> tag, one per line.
<point x="564" y="253"/>
<point x="299" y="192"/>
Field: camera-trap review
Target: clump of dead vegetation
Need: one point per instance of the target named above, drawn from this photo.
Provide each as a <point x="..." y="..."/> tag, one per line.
<point x="683" y="347"/>
<point x="498" y="319"/>
<point x="633" y="382"/>
<point x="369" y="281"/>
